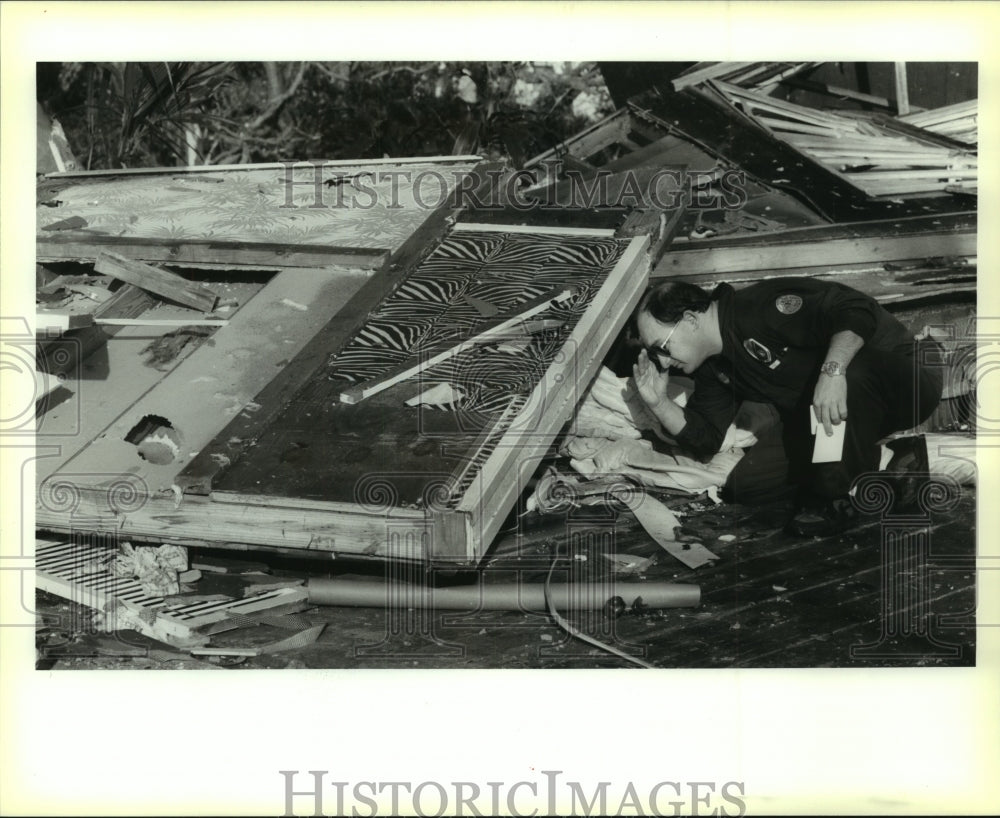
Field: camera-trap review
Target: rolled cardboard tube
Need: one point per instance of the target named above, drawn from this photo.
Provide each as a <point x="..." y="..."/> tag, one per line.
<point x="523" y="596"/>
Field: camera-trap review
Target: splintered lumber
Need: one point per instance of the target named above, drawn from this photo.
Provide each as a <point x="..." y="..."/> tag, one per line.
<point x="958" y="121"/>
<point x="162" y="283"/>
<point x="77" y="571"/>
<point x="515" y="596"/>
<point x="856" y="149"/>
<point x="536" y="305"/>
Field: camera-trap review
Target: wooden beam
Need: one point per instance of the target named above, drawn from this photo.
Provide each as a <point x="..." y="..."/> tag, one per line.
<point x="156" y="518"/>
<point x="902" y="92"/>
<point x="153" y="280"/>
<point x="81" y="246"/>
<point x="128" y="302"/>
<point x="682" y="261"/>
<point x="494" y="490"/>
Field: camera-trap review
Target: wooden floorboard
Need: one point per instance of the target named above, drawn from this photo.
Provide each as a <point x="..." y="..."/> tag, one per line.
<point x="827" y="601"/>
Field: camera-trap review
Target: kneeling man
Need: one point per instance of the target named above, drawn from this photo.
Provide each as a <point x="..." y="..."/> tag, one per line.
<point x="808" y="348"/>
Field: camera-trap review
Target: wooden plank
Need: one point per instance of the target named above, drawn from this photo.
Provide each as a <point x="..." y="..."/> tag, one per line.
<point x="902" y="93"/>
<point x="662" y="228"/>
<point x="783" y="126"/>
<point x="163" y="322"/>
<point x="219" y="380"/>
<point x="887" y="144"/>
<point x="81" y="246"/>
<point x="350" y="163"/>
<point x="495" y="488"/>
<point x="493" y="328"/>
<point x="589" y="141"/>
<point x="949" y="174"/>
<point x="60" y="321"/>
<point x="241" y="433"/>
<point x="67" y="506"/>
<point x="837" y="91"/>
<point x="472" y="227"/>
<point x="153" y="280"/>
<point x="921" y="135"/>
<point x="544" y="214"/>
<point x="935" y="116"/>
<point x="737" y="258"/>
<point x="797" y="113"/>
<point x="964" y="222"/>
<point x="706" y="71"/>
<point x="128" y="302"/>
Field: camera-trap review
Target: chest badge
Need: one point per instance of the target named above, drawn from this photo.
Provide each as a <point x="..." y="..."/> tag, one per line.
<point x="788" y="304"/>
<point x="757" y="350"/>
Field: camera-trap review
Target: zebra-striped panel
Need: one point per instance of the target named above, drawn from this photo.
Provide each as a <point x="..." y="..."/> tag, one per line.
<point x="429" y="309"/>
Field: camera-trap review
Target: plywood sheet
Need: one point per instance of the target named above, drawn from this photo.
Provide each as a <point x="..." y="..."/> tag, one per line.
<point x="218" y="380"/>
<point x="371" y="205"/>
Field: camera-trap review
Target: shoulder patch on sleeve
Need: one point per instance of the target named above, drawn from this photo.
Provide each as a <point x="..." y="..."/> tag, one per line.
<point x="788" y="304"/>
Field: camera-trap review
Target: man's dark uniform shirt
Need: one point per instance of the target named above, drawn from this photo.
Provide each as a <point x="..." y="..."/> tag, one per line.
<point x="775" y="336"/>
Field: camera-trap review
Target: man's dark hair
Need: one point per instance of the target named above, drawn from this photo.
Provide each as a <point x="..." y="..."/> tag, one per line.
<point x="669" y="301"/>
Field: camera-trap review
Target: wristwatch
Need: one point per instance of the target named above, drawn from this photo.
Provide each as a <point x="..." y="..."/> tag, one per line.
<point x="832" y="368"/>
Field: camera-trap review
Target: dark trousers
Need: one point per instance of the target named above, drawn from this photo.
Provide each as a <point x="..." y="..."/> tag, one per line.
<point x="886" y="392"/>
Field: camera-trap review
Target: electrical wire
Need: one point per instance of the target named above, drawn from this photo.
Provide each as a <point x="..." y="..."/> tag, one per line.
<point x="575" y="632"/>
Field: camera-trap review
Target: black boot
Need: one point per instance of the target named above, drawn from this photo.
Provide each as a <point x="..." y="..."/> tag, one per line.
<point x="908" y="471"/>
<point x="824" y="519"/>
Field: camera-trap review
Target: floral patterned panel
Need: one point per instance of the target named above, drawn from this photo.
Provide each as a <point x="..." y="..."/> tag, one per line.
<point x="367" y="206"/>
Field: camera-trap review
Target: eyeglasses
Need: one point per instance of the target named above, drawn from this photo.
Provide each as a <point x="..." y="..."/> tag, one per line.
<point x="660" y="349"/>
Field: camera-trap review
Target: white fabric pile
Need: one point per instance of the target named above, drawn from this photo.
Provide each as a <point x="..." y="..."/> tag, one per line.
<point x="610" y="435"/>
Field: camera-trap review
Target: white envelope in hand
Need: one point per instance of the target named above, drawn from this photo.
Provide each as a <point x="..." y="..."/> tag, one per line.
<point x="828" y="448"/>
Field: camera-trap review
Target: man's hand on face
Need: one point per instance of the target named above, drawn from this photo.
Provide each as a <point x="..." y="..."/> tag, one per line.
<point x="650" y="382"/>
